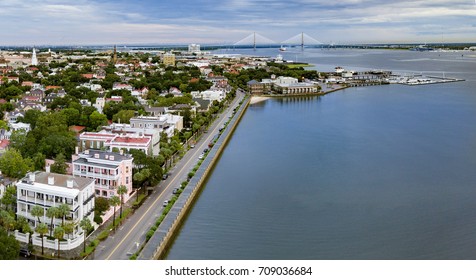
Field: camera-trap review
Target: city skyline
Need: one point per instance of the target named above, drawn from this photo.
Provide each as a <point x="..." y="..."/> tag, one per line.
<point x="59" y="22"/>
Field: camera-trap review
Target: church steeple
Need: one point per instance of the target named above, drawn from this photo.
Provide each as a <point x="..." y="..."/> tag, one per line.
<point x="34" y="60"/>
<point x="114" y="59"/>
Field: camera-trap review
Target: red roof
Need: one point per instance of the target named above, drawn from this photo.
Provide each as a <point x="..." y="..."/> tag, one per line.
<point x="52" y="87"/>
<point x="77" y="128"/>
<point x="132" y="140"/>
<point x="4" y="143"/>
<point x="87" y="76"/>
<point x="27" y="84"/>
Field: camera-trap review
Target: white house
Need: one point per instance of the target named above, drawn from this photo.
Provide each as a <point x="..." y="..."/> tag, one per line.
<point x="47" y="190"/>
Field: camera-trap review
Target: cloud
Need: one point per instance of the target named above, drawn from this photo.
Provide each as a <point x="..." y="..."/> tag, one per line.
<point x="90" y="21"/>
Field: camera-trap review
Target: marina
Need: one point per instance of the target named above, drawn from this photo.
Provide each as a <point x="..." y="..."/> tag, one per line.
<point x="416" y="80"/>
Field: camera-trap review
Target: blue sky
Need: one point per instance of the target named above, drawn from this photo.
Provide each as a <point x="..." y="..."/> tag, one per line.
<point x="36" y="22"/>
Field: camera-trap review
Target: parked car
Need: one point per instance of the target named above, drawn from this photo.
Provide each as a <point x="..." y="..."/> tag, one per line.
<point x="25" y="252"/>
<point x="166" y="203"/>
<point x="201" y="156"/>
<point x="176" y="190"/>
<point x="192" y="146"/>
<point x="205" y="151"/>
<point x="165" y="176"/>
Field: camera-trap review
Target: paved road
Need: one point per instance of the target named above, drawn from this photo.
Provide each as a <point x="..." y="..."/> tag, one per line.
<point x="131" y="234"/>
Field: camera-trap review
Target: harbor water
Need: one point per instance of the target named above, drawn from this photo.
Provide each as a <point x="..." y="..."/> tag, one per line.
<point x="383" y="172"/>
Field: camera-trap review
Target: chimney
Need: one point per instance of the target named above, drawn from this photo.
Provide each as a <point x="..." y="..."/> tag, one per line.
<point x="51" y="180"/>
<point x="48" y="169"/>
<point x="76" y="150"/>
<point x="69" y="183"/>
<point x="111" y="157"/>
<point x="32" y="176"/>
<point x="106" y="156"/>
<point x="86" y="152"/>
<point x="96" y="155"/>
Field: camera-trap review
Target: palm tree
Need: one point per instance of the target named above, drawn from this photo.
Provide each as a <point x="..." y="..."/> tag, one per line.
<point x="121" y="190"/>
<point x="58" y="234"/>
<point x="69" y="228"/>
<point x="37" y="211"/>
<point x="63" y="210"/>
<point x="42" y="229"/>
<point x="114" y="202"/>
<point x="85" y="224"/>
<point x="52" y="213"/>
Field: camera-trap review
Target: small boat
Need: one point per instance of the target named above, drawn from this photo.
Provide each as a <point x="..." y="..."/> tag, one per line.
<point x="282" y="49"/>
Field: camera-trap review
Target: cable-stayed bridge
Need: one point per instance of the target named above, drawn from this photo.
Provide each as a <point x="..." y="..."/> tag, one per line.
<point x="256" y="39"/>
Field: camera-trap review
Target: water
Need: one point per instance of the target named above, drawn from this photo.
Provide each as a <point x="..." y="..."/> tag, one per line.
<point x="385" y="172"/>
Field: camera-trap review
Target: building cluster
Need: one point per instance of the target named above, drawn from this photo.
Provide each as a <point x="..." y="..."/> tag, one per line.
<point x="102" y="160"/>
<point x="282" y="85"/>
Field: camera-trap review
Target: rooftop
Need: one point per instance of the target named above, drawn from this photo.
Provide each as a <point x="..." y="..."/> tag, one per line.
<point x="60" y="180"/>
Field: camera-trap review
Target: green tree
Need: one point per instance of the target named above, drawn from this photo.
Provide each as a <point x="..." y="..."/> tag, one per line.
<point x="18" y="140"/>
<point x="10" y="247"/>
<point x="3" y="125"/>
<point x="31" y="117"/>
<point x="38" y="161"/>
<point x="9" y="199"/>
<point x="114" y="202"/>
<point x="7" y="221"/>
<point x="60" y="165"/>
<point x="63" y="210"/>
<point x="86" y="225"/>
<point x="96" y="120"/>
<point x="121" y="191"/>
<point x="37" y="211"/>
<point x="72" y="116"/>
<point x="12" y="164"/>
<point x="52" y="213"/>
<point x="123" y="116"/>
<point x="69" y="228"/>
<point x="58" y="234"/>
<point x="42" y="229"/>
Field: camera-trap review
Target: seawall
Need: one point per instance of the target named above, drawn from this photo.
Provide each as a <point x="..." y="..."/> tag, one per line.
<point x="160" y="242"/>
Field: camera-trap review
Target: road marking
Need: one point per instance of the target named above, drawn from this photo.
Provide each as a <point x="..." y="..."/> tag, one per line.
<point x="165" y="188"/>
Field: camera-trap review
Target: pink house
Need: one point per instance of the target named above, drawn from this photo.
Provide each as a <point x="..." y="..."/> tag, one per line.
<point x="109" y="170"/>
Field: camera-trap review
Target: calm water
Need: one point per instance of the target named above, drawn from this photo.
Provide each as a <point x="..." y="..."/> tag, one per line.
<point x="366" y="173"/>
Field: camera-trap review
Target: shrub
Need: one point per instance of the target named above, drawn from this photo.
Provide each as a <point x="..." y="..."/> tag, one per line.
<point x="184" y="183"/>
<point x="103" y="235"/>
<point x="149" y="235"/>
<point x="98" y="219"/>
<point x="191" y="174"/>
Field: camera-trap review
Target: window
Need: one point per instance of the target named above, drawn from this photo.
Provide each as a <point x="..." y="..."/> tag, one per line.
<point x="127" y="180"/>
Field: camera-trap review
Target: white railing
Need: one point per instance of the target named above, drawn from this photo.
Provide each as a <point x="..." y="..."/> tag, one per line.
<point x="69" y="244"/>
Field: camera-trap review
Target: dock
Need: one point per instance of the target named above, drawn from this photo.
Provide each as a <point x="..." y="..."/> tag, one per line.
<point x="422" y="80"/>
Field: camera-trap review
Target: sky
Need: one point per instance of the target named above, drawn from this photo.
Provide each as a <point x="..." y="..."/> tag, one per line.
<point x="91" y="22"/>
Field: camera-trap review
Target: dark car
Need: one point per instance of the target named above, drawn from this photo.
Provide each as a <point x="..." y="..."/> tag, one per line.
<point x="25" y="252"/>
<point x="165" y="176"/>
<point x="205" y="151"/>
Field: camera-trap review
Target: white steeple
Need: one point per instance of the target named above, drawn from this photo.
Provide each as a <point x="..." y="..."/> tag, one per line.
<point x="34" y="60"/>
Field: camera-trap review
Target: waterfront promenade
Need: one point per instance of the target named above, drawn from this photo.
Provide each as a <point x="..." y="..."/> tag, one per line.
<point x="158" y="244"/>
<point x="129" y="236"/>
